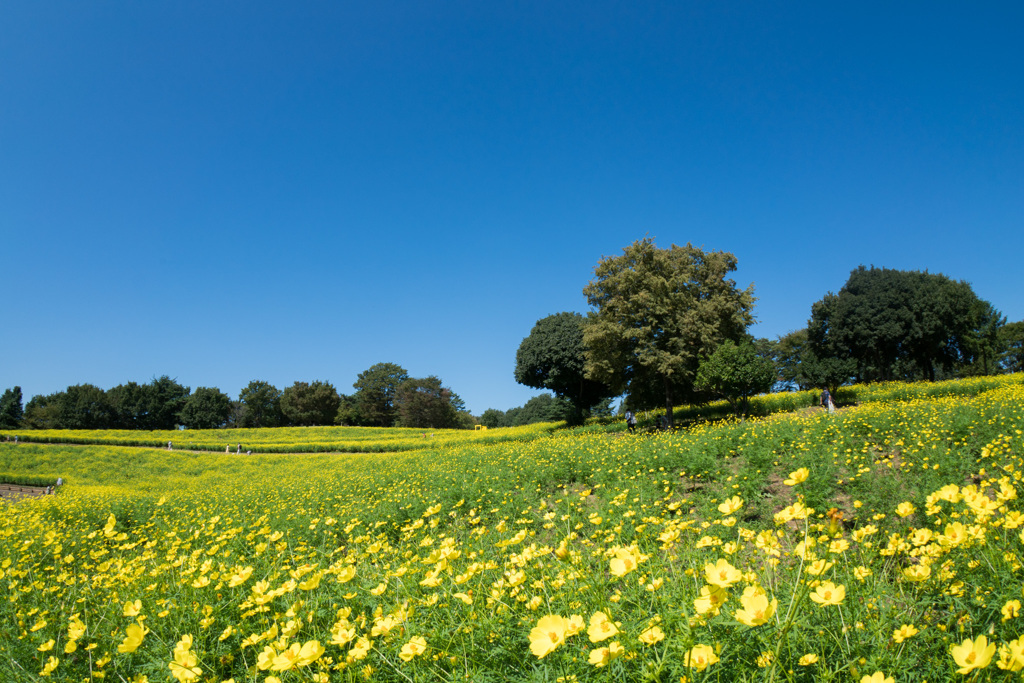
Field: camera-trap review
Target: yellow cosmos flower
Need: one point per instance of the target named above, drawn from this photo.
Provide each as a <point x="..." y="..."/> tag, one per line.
<point x="1011" y="610"/>
<point x="603" y="656"/>
<point x="972" y="654"/>
<point x="757" y="609"/>
<point x="808" y="659"/>
<point x="39" y="625"/>
<point x="132" y="608"/>
<point x="51" y="664"/>
<point x="415" y="647"/>
<point x="903" y="632"/>
<point x="652" y="635"/>
<point x="711" y="599"/>
<point x="905" y="509"/>
<point x="133" y="638"/>
<point x="722" y="574"/>
<point x="240" y="576"/>
<point x="731" y="505"/>
<point x="601" y="628"/>
<point x="574" y="625"/>
<point x="547" y="635"/>
<point x="360" y="649"/>
<point x="184" y="666"/>
<point x="877" y="677"/>
<point x="827" y="593"/>
<point x="625" y="561"/>
<point x="700" y="657"/>
<point x="47" y="646"/>
<point x="917" y="573"/>
<point x="1011" y="655"/>
<point x="797" y="477"/>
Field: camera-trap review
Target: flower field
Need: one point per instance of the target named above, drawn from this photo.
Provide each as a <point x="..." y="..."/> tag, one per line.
<point x="882" y="543"/>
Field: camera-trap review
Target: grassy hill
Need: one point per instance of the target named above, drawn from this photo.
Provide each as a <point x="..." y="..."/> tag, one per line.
<point x="794" y="546"/>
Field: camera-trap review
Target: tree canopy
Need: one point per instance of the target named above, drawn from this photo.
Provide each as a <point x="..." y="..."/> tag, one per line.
<point x="206" y="408"/>
<point x="553" y="357"/>
<point x="261" y="405"/>
<point x="892" y="324"/>
<point x="11" y="410"/>
<point x="308" y="404"/>
<point x="376" y="388"/>
<point x="736" y="372"/>
<point x="657" y="313"/>
<point x="425" y="404"/>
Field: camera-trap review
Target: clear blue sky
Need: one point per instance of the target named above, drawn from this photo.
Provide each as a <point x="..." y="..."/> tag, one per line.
<point x="228" y="191"/>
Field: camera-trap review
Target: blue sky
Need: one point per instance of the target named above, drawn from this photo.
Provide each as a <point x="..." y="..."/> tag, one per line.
<point x="228" y="191"/>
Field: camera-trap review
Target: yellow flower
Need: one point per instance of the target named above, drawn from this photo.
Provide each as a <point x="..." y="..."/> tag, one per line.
<point x="40" y="624"/>
<point x="797" y="477"/>
<point x="903" y="632"/>
<point x="877" y="677"/>
<point x="360" y="649"/>
<point x="905" y="509"/>
<point x="464" y="598"/>
<point x="415" y="647"/>
<point x="133" y="638"/>
<point x="757" y="609"/>
<point x="722" y="574"/>
<point x="700" y="657"/>
<point x="731" y="505"/>
<point x="51" y="664"/>
<point x="711" y="599"/>
<point x="1011" y="655"/>
<point x="184" y="666"/>
<point x="1011" y="609"/>
<point x="808" y="659"/>
<point x="47" y="646"/>
<point x="574" y="625"/>
<point x="602" y="656"/>
<point x="601" y="628"/>
<point x="547" y="635"/>
<point x="132" y="609"/>
<point x="827" y="593"/>
<point x="917" y="573"/>
<point x="625" y="561"/>
<point x="652" y="635"/>
<point x="972" y="654"/>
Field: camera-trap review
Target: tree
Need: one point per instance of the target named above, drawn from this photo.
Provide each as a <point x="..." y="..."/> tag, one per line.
<point x="164" y="400"/>
<point x="656" y="314"/>
<point x="261" y="405"/>
<point x="492" y="418"/>
<point x="130" y="403"/>
<point x="425" y="404"/>
<point x="206" y="408"/>
<point x="542" y="408"/>
<point x="84" y="406"/>
<point x="310" y="404"/>
<point x="41" y="412"/>
<point x="375" y="393"/>
<point x="553" y="357"/>
<point x="736" y="372"/>
<point x="11" y="410"/>
<point x="894" y="324"/>
<point x="1011" y="342"/>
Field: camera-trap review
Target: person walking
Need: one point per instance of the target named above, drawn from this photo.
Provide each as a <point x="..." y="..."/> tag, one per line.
<point x="826" y="401"/>
<point x="630" y="421"/>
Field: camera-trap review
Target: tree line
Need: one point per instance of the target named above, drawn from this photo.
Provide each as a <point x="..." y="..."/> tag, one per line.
<point x="385" y="396"/>
<point x="668" y="327"/>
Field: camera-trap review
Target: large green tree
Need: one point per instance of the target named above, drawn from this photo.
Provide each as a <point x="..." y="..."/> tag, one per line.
<point x="892" y="324"/>
<point x="84" y="406"/>
<point x="261" y="405"/>
<point x="11" y="410"/>
<point x="306" y="405"/>
<point x="553" y="357"/>
<point x="374" y="398"/>
<point x="165" y="398"/>
<point x="206" y="408"/>
<point x="1011" y="346"/>
<point x="736" y="372"/>
<point x="657" y="313"/>
<point x="425" y="403"/>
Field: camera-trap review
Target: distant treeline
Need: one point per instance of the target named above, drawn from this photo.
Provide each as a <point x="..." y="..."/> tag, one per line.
<point x="385" y="396"/>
